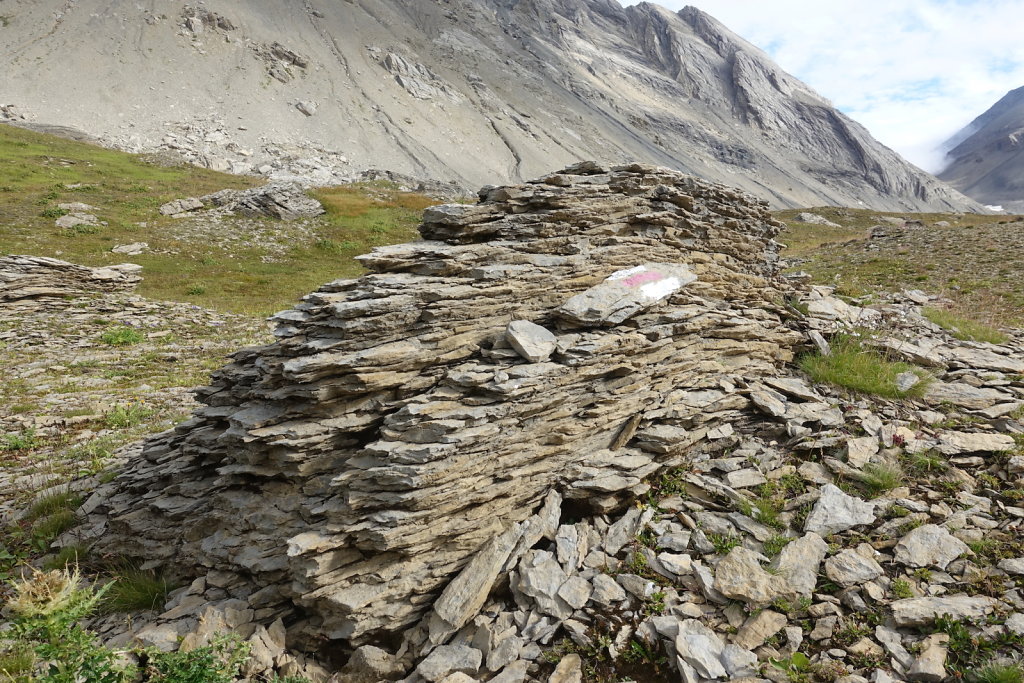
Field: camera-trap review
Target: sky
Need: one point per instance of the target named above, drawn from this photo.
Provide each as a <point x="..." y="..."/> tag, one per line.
<point x="914" y="72"/>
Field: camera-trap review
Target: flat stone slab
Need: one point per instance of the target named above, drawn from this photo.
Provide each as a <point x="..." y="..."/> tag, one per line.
<point x="625" y="293"/>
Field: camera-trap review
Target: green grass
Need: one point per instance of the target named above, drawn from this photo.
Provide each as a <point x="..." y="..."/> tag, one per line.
<point x="965" y="328"/>
<point x="127" y="415"/>
<point x="121" y="336"/>
<point x="23" y="441"/>
<point x="39" y="171"/>
<point x="135" y="590"/>
<point x="53" y="503"/>
<point x="877" y="479"/>
<point x="854" y="366"/>
<point x="998" y="673"/>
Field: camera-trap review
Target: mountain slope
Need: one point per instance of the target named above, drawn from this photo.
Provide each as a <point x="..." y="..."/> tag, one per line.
<point x="987" y="161"/>
<point x="472" y="91"/>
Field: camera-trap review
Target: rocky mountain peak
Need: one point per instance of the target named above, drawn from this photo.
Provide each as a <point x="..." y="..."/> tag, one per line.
<point x="323" y="91"/>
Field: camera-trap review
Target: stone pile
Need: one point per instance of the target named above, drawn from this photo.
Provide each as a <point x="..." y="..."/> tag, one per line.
<point x="394" y="435"/>
<point x="28" y="280"/>
<point x="285" y="201"/>
<point x="563" y="433"/>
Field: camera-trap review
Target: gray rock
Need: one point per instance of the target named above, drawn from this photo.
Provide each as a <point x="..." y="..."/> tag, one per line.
<point x="1015" y="623"/>
<point x="759" y="628"/>
<point x="369" y="664"/>
<point x="860" y="451"/>
<point x="133" y="249"/>
<point x="447" y="659"/>
<point x="738" y="662"/>
<point x="850" y="568"/>
<point x="799" y="561"/>
<point x="607" y="591"/>
<point x="964" y="395"/>
<point x="836" y="511"/>
<point x="532" y="342"/>
<point x="576" y="591"/>
<point x="924" y="611"/>
<point x="929" y="546"/>
<point x="739" y="576"/>
<point x="930" y="665"/>
<point x="179" y="207"/>
<point x="905" y="381"/>
<point x="1013" y="566"/>
<point x="955" y="443"/>
<point x="701" y="648"/>
<point x="815" y="219"/>
<point x="307" y="107"/>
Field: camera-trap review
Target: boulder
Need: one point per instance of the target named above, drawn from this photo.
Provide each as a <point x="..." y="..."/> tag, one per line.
<point x="836" y="511"/>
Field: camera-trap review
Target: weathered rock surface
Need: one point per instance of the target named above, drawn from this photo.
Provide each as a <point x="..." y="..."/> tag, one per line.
<point x="360" y="463"/>
<point x="286" y="201"/>
<point x="24" y="280"/>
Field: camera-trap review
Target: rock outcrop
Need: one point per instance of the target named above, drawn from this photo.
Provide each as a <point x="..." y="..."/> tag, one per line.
<point x="396" y="435"/>
<point x="285" y="201"/>
<point x="26" y="280"/>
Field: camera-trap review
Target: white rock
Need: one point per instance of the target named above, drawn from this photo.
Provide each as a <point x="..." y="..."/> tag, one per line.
<point x="836" y="511"/>
<point x="930" y="665"/>
<point x="859" y="451"/>
<point x="1013" y="566"/>
<point x="929" y="545"/>
<point x="850" y="568"/>
<point x="531" y="341"/>
<point x="955" y="443"/>
<point x="740" y="576"/>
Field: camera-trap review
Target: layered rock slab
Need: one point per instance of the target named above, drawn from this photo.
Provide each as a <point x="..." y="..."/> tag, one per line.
<point x="350" y="470"/>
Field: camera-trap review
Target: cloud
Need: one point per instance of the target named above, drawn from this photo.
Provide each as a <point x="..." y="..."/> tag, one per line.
<point x="913" y="72"/>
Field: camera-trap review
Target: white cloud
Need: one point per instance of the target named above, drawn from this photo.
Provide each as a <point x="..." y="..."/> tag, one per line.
<point x="913" y="72"/>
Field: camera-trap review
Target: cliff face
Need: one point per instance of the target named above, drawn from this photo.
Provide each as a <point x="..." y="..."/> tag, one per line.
<point x="987" y="161"/>
<point x="462" y="90"/>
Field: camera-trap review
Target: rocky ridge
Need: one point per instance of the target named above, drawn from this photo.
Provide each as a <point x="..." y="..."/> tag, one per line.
<point x="322" y="91"/>
<point x="446" y="444"/>
<point x="986" y="158"/>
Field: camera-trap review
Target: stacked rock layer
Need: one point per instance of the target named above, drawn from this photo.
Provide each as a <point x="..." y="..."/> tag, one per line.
<point x="575" y="334"/>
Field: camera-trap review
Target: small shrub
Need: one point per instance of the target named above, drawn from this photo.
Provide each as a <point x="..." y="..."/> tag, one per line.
<point x="195" y="290"/>
<point x="121" y="336"/>
<point x="855" y="367"/>
<point x="724" y="543"/>
<point x="53" y="503"/>
<point x="928" y="462"/>
<point x="25" y="441"/>
<point x="50" y="527"/>
<point x="53" y="212"/>
<point x="137" y="590"/>
<point x="46" y="609"/>
<point x="965" y="328"/>
<point x="218" y="662"/>
<point x="69" y="556"/>
<point x="901" y="589"/>
<point x="774" y="545"/>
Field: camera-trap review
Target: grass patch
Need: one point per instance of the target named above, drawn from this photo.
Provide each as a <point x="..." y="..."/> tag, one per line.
<point x="121" y="336"/>
<point x="23" y="441"/>
<point x="877" y="479"/>
<point x="53" y="503"/>
<point x="965" y="328"/>
<point x="127" y="415"/>
<point x="135" y="590"/>
<point x="853" y="366"/>
<point x="998" y="673"/>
